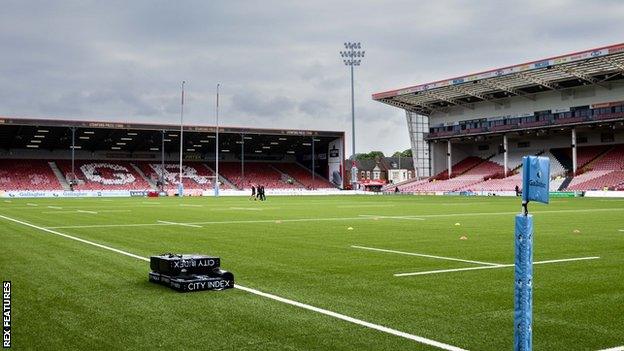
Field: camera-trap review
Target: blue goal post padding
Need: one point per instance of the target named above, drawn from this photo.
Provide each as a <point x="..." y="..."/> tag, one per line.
<point x="523" y="299"/>
<point x="535" y="179"/>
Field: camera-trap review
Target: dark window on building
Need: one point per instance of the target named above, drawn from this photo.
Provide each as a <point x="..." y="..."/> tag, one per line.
<point x="524" y="144"/>
<point x="581" y="140"/>
<point x="607" y="137"/>
<point x="484" y="147"/>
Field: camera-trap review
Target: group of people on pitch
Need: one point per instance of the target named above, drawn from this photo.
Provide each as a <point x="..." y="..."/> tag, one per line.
<point x="257" y="193"/>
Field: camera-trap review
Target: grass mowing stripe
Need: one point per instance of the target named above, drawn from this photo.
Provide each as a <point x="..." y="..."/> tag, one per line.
<point x="213" y="222"/>
<point x="425" y="255"/>
<point x="392" y="217"/>
<point x="340" y="316"/>
<point x="74" y="238"/>
<point x="492" y="267"/>
<point x="335" y="218"/>
<point x="343" y="317"/>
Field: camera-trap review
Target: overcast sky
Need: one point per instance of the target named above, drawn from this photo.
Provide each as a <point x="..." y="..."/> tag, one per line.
<point x="277" y="61"/>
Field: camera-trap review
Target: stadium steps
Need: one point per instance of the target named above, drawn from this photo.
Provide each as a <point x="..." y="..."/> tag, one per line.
<point x="222" y="179"/>
<point x="563" y="159"/>
<point x="316" y="174"/>
<point x="588" y="165"/>
<point x="483" y="160"/>
<point x="59" y="175"/>
<point x="297" y="182"/>
<point x="565" y="183"/>
<point x="149" y="181"/>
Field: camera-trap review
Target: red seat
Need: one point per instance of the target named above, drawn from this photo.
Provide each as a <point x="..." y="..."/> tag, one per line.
<point x="27" y="175"/>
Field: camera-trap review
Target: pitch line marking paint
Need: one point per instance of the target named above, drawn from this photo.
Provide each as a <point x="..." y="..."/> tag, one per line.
<point x="346" y="318"/>
<point x="84" y="211"/>
<point x="493" y="267"/>
<point x="31" y="204"/>
<point x="366" y="205"/>
<point x="416" y="218"/>
<point x="240" y="209"/>
<point x="449" y="270"/>
<point x="73" y="238"/>
<point x="617" y="348"/>
<point x="214" y="222"/>
<point x="190" y="205"/>
<point x="340" y="316"/>
<point x="425" y="255"/>
<point x="330" y="219"/>
<point x="182" y="224"/>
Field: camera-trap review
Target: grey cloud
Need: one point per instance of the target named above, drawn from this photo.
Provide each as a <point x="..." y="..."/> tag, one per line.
<point x="277" y="61"/>
<point x="315" y="107"/>
<point x="251" y="103"/>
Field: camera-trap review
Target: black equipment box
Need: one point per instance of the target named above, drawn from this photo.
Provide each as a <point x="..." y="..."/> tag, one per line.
<point x="172" y="264"/>
<point x="193" y="282"/>
<point x="187" y="273"/>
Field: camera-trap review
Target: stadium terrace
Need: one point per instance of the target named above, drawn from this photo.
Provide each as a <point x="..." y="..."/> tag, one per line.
<point x="45" y="157"/>
<point x="469" y="133"/>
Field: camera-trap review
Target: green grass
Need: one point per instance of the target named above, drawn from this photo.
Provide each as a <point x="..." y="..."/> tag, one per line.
<point x="70" y="295"/>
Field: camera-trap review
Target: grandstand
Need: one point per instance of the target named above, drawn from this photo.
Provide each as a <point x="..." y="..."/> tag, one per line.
<point x="469" y="133"/>
<point x="44" y="157"/>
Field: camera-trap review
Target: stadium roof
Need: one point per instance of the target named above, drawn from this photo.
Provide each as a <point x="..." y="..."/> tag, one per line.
<point x="54" y="134"/>
<point x="596" y="66"/>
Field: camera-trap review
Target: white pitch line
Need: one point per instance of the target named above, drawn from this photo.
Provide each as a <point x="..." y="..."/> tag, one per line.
<point x="415" y="218"/>
<point x="182" y="224"/>
<point x="493" y="267"/>
<point x="55" y="207"/>
<point x="568" y="260"/>
<point x="74" y="238"/>
<point x="239" y="209"/>
<point x="617" y="348"/>
<point x="346" y="318"/>
<point x="470" y="214"/>
<point x="449" y="270"/>
<point x="31" y="204"/>
<point x="424" y="255"/>
<point x="305" y="306"/>
<point x="621" y="230"/>
<point x="84" y="211"/>
<point x="190" y="205"/>
<point x="366" y="205"/>
<point x="322" y="219"/>
<point x="215" y="222"/>
<point x="8" y="201"/>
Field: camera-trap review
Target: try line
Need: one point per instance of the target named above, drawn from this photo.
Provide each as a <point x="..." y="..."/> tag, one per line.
<point x="483" y="265"/>
<point x="360" y="217"/>
<point x="340" y="316"/>
<point x="494" y="267"/>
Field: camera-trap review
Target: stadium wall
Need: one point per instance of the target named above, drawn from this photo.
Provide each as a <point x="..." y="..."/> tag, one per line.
<point x="562" y="139"/>
<point x="549" y="100"/>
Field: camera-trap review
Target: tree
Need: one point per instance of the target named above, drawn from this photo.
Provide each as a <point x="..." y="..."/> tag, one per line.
<point x="406" y="153"/>
<point x="369" y="156"/>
